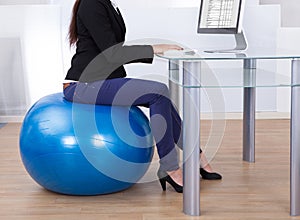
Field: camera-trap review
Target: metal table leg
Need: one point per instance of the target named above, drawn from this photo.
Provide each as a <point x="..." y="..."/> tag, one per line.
<point x="249" y="110"/>
<point x="191" y="137"/>
<point x="173" y="83"/>
<point x="295" y="140"/>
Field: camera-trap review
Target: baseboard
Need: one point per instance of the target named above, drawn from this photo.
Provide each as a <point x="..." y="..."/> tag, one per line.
<point x="239" y="115"/>
<point x="11" y="119"/>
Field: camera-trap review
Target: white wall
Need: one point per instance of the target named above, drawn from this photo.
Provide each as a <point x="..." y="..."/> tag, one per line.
<point x="290" y="11"/>
<point x="24" y="2"/>
<point x="13" y="84"/>
<point x="38" y="30"/>
<point x="288" y="38"/>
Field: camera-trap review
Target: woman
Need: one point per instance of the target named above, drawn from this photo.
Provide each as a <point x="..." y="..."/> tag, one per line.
<point x="97" y="75"/>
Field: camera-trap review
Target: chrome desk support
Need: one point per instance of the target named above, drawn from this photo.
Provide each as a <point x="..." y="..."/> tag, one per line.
<point x="249" y="110"/>
<point x="295" y="140"/>
<point x="191" y="137"/>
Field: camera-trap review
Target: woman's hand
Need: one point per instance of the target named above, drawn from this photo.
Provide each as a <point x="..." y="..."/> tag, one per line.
<point x="161" y="48"/>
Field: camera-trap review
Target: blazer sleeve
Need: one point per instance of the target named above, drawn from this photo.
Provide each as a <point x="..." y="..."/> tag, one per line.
<point x="96" y="16"/>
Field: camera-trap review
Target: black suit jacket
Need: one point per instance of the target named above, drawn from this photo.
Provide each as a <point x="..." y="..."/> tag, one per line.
<point x="100" y="53"/>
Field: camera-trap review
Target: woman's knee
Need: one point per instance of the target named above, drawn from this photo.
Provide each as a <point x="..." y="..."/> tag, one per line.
<point x="161" y="89"/>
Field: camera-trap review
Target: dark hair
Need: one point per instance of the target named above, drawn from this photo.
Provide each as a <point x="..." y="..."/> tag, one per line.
<point x="73" y="36"/>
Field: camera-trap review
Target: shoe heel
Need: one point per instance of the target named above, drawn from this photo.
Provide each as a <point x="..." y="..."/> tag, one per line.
<point x="163" y="184"/>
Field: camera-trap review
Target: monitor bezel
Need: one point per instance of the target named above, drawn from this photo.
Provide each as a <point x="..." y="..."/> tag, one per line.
<point x="234" y="30"/>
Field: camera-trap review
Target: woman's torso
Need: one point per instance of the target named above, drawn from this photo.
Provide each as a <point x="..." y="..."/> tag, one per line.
<point x="99" y="26"/>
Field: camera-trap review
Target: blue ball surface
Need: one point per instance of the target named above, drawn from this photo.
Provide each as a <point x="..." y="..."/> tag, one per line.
<point x="81" y="149"/>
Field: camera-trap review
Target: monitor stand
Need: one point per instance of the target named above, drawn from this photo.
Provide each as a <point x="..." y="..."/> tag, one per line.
<point x="241" y="45"/>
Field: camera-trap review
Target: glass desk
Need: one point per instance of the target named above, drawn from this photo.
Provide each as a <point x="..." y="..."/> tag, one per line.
<point x="186" y="80"/>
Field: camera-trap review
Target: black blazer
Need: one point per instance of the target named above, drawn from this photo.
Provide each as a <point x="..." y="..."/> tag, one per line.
<point x="100" y="53"/>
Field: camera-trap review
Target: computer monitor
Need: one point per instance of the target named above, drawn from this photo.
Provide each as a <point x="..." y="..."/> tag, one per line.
<point x="223" y="17"/>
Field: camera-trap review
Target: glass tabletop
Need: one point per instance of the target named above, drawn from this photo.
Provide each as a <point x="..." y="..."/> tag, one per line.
<point x="234" y="75"/>
<point x="250" y="53"/>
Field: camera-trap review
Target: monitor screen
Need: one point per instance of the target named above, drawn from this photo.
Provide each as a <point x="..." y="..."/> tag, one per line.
<point x="219" y="16"/>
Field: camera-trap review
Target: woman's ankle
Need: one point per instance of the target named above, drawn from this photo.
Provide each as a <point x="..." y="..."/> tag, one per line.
<point x="176" y="175"/>
<point x="207" y="168"/>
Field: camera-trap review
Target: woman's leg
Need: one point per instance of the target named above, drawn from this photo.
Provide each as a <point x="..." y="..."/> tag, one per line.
<point x="178" y="139"/>
<point x="177" y="128"/>
<point x="124" y="91"/>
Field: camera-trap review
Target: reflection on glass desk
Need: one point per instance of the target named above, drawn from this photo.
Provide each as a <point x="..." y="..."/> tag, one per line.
<point x="251" y="53"/>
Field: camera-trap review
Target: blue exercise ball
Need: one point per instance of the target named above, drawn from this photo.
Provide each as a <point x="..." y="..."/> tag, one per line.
<point x="83" y="149"/>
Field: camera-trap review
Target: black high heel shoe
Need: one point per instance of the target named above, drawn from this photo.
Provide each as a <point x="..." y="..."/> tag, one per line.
<point x="209" y="176"/>
<point x="164" y="177"/>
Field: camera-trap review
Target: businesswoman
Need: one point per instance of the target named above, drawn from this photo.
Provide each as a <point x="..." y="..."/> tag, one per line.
<point x="97" y="76"/>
